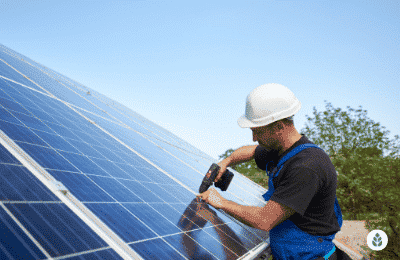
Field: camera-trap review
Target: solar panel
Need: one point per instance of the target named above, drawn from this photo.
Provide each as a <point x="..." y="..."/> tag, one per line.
<point x="83" y="177"/>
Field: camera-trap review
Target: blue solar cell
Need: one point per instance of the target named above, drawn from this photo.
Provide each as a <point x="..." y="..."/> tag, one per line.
<point x="243" y="235"/>
<point x="181" y="193"/>
<point x="32" y="122"/>
<point x="56" y="141"/>
<point x="228" y="238"/>
<point x="20" y="133"/>
<point x="98" y="255"/>
<point x="115" y="189"/>
<point x="160" y="192"/>
<point x="83" y="163"/>
<point x="111" y="168"/>
<point x="28" y="104"/>
<point x="152" y="218"/>
<point x="107" y="153"/>
<point x="62" y="130"/>
<point x="156" y="249"/>
<point x="81" y="186"/>
<point x="190" y="212"/>
<point x="174" y="216"/>
<point x="7" y="157"/>
<point x="141" y="191"/>
<point x="134" y="173"/>
<point x="56" y="228"/>
<point x="222" y="251"/>
<point x="42" y="115"/>
<point x="14" y="243"/>
<point x="10" y="73"/>
<point x="155" y="175"/>
<point x="189" y="247"/>
<point x="7" y="116"/>
<point x="121" y="221"/>
<point x="85" y="148"/>
<point x="11" y="105"/>
<point x="18" y="184"/>
<point x="47" y="158"/>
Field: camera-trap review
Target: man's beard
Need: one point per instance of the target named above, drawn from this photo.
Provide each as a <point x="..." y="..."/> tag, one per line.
<point x="272" y="145"/>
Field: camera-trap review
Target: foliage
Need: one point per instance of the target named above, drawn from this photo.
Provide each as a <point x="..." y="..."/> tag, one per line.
<point x="345" y="132"/>
<point x="368" y="189"/>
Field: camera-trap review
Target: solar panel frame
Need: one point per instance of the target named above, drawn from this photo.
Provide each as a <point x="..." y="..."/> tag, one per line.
<point x="97" y="118"/>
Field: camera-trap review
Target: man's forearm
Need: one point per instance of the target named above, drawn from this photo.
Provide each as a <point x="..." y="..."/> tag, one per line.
<point x="243" y="154"/>
<point x="248" y="215"/>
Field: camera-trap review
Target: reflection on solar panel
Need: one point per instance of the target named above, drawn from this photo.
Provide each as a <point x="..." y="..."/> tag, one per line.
<point x="83" y="177"/>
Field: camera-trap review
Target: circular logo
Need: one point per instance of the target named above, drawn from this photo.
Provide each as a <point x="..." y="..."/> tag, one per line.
<point x="377" y="240"/>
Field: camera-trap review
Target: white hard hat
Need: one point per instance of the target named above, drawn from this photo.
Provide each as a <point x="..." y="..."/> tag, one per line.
<point x="268" y="103"/>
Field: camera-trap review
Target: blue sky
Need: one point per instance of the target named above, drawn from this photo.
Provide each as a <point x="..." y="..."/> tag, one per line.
<point x="189" y="65"/>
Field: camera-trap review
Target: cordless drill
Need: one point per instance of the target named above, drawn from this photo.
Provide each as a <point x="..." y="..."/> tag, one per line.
<point x="222" y="183"/>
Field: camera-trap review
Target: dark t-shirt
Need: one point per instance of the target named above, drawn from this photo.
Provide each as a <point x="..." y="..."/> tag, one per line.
<point x="307" y="184"/>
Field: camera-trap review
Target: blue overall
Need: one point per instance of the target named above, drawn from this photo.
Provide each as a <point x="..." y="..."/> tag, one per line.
<point x="287" y="240"/>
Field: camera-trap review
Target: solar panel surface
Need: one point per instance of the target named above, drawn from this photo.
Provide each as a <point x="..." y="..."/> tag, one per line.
<point x="138" y="178"/>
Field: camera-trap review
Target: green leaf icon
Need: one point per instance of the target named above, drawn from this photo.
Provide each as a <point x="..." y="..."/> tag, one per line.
<point x="377" y="241"/>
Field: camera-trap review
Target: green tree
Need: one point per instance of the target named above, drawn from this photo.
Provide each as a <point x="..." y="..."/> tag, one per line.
<point x="345" y="132"/>
<point x="368" y="180"/>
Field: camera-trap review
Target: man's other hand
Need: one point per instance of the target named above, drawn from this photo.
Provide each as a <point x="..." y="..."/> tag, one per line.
<point x="212" y="197"/>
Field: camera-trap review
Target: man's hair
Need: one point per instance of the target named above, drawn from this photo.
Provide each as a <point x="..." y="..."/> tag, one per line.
<point x="286" y="121"/>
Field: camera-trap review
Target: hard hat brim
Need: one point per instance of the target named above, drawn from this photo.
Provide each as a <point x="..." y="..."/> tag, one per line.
<point x="243" y="122"/>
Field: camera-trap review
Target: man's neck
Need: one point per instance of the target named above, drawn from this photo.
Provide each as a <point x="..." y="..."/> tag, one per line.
<point x="288" y="138"/>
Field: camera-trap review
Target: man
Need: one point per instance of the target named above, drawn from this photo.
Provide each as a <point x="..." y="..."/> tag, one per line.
<point x="302" y="214"/>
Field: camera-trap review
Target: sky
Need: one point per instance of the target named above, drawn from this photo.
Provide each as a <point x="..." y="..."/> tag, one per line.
<point x="188" y="66"/>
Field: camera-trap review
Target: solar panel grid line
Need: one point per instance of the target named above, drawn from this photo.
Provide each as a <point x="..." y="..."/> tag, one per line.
<point x="22" y="84"/>
<point x="144" y="135"/>
<point x="80" y="253"/>
<point x="25" y="230"/>
<point x="54" y="97"/>
<point x="49" y="129"/>
<point x="132" y="214"/>
<point x="127" y="146"/>
<point x="202" y="174"/>
<point x="236" y="173"/>
<point x="185" y="232"/>
<point x="145" y="224"/>
<point x="60" y="99"/>
<point x="25" y="77"/>
<point x="69" y="200"/>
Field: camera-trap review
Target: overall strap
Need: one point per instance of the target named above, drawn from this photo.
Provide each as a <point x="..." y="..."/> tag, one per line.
<point x="292" y="153"/>
<point x="296" y="151"/>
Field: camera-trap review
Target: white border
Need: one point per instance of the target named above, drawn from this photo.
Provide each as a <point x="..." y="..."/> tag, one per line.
<point x="98" y="226"/>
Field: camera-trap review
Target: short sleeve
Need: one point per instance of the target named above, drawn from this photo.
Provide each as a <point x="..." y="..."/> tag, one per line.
<point x="296" y="189"/>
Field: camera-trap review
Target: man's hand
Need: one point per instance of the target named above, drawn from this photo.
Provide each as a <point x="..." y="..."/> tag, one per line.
<point x="212" y="197"/>
<point x="223" y="165"/>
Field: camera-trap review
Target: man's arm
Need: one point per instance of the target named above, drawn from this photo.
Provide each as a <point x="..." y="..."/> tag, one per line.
<point x="243" y="154"/>
<point x="264" y="218"/>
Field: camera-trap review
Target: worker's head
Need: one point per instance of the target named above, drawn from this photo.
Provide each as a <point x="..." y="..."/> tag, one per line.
<point x="269" y="113"/>
<point x="271" y="135"/>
